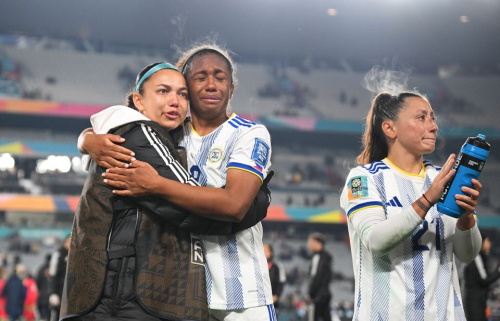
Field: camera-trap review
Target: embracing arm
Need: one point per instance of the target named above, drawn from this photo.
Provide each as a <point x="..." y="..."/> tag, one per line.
<point x="104" y="149"/>
<point x="247" y="165"/>
<point x="227" y="204"/>
<point x="165" y="167"/>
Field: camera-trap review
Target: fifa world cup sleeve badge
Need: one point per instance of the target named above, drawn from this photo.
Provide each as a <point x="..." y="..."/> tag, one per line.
<point x="260" y="154"/>
<point x="357" y="188"/>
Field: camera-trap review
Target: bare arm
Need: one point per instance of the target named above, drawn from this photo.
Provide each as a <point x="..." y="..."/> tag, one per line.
<point x="228" y="204"/>
<point x="103" y="149"/>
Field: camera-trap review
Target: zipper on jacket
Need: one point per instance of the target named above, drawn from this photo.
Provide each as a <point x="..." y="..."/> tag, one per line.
<point x="124" y="261"/>
<point x="116" y="285"/>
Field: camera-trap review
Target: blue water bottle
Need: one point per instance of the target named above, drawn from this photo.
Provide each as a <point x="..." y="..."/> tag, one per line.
<point x="468" y="165"/>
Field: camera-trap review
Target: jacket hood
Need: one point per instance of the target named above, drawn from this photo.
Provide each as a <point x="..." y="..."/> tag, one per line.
<point x="114" y="116"/>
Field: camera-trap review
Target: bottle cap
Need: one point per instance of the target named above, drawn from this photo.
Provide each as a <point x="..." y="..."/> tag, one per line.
<point x="479" y="141"/>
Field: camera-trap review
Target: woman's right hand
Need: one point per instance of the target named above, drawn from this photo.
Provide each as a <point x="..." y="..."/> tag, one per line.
<point x="103" y="149"/>
<point x="433" y="194"/>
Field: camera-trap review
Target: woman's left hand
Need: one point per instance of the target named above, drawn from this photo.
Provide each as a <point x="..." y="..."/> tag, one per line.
<point x="469" y="203"/>
<point x="133" y="181"/>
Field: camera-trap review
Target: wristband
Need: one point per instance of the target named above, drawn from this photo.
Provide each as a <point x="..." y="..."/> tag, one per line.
<point x="430" y="203"/>
<point x="422" y="206"/>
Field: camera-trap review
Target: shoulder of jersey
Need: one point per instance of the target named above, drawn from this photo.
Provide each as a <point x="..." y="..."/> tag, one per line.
<point x="428" y="165"/>
<point x="375" y="167"/>
<point x="239" y="122"/>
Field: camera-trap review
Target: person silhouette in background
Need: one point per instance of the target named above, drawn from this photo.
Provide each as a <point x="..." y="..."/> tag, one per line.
<point x="57" y="273"/>
<point x="477" y="282"/>
<point x="320" y="272"/>
<point x="14" y="293"/>
<point x="277" y="274"/>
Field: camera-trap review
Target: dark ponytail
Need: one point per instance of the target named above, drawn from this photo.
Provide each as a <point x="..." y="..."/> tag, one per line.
<point x="384" y="107"/>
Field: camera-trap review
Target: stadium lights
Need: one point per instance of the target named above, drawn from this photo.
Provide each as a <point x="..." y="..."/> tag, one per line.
<point x="464" y="19"/>
<point x="7" y="162"/>
<point x="53" y="163"/>
<point x="76" y="164"/>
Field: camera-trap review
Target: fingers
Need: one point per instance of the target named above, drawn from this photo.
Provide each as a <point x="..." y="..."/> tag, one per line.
<point x="122" y="150"/>
<point x="116" y="151"/>
<point x="104" y="164"/>
<point x="473" y="193"/>
<point x="466" y="202"/>
<point x="117" y="184"/>
<point x="137" y="163"/>
<point x="477" y="184"/>
<point x="114" y="177"/>
<point x="117" y="171"/>
<point x="449" y="175"/>
<point x="115" y="163"/>
<point x="449" y="163"/>
<point x="122" y="193"/>
<point x="121" y="156"/>
<point x="115" y="138"/>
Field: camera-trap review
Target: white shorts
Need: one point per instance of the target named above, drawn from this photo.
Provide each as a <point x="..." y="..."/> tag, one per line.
<point x="262" y="313"/>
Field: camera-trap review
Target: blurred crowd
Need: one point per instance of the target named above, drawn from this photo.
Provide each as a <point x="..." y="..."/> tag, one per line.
<point x="28" y="296"/>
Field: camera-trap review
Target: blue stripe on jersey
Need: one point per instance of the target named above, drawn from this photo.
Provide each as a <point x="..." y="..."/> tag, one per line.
<point x="428" y="163"/>
<point x="206" y="145"/>
<point x="456" y="299"/>
<point x="413" y="262"/>
<point x="246" y="121"/>
<point x="232" y="124"/>
<point x="444" y="273"/>
<point x="232" y="272"/>
<point x="271" y="312"/>
<point x="381" y="292"/>
<point x="374" y="167"/>
<point x="380" y="185"/>
<point x="229" y="148"/>
<point x="362" y="206"/>
<point x="358" y="303"/>
<point x="247" y="168"/>
<point x="261" y="296"/>
<point x="237" y="121"/>
<point x="459" y="310"/>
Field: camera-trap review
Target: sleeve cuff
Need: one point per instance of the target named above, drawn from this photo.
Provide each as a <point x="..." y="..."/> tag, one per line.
<point x="254" y="170"/>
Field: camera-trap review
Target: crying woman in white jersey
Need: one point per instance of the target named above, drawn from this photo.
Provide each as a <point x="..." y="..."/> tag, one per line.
<point x="403" y="249"/>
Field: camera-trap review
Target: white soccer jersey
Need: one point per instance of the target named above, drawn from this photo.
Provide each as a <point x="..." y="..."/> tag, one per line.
<point x="235" y="265"/>
<point x="418" y="279"/>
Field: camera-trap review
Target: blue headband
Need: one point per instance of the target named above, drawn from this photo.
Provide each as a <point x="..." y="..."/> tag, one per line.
<point x="163" y="65"/>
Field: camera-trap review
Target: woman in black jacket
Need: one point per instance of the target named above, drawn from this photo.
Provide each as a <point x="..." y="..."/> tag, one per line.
<point x="135" y="258"/>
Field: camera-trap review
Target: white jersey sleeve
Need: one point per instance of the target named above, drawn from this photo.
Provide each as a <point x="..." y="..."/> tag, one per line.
<point x="366" y="212"/>
<point x="467" y="244"/>
<point x="252" y="152"/>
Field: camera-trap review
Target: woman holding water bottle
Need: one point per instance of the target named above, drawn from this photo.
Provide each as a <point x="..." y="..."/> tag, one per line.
<point x="403" y="249"/>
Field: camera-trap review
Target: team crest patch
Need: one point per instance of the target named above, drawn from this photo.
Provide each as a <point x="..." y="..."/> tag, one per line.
<point x="358" y="187"/>
<point x="215" y="155"/>
<point x="260" y="153"/>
